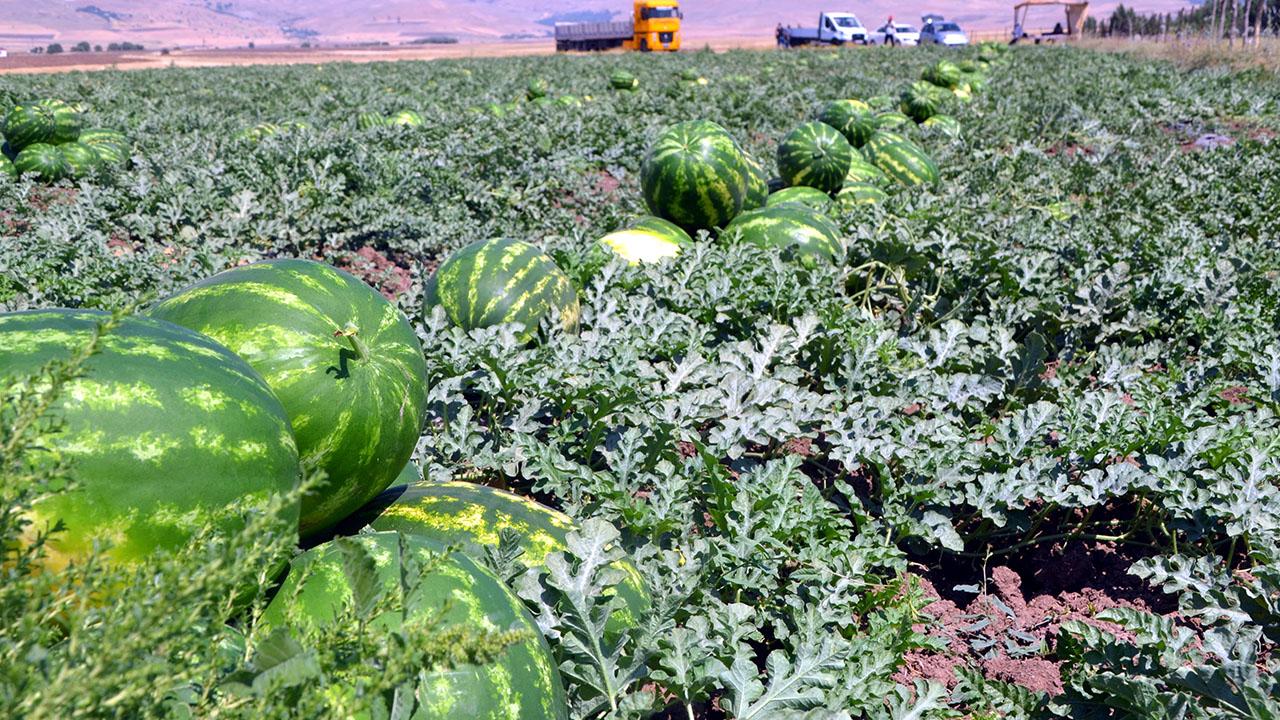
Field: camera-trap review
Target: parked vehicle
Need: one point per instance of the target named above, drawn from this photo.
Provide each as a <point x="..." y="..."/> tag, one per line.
<point x="654" y="26"/>
<point x="902" y="34"/>
<point x="938" y="31"/>
<point x="834" y="28"/>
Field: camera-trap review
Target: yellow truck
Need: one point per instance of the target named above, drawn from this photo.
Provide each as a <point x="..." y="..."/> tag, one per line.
<point x="654" y="26"/>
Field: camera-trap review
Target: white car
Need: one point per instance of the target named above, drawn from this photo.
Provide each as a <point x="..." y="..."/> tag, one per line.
<point x="943" y="32"/>
<point x="903" y="34"/>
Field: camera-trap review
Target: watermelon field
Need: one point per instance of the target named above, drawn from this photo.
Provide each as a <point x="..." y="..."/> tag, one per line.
<point x="817" y="385"/>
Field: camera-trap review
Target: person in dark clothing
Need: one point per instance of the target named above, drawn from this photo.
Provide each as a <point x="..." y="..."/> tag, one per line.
<point x="1057" y="29"/>
<point x="780" y="36"/>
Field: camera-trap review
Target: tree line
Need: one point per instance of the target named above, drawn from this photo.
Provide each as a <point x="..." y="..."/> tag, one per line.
<point x="1230" y="20"/>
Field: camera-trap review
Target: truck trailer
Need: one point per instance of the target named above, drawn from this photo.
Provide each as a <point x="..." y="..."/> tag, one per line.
<point x="654" y="26"/>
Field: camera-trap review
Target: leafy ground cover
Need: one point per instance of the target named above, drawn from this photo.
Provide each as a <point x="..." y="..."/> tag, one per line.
<point x="1017" y="457"/>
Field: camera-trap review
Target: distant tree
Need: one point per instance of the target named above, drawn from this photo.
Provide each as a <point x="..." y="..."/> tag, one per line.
<point x="113" y="47"/>
<point x="250" y="44"/>
<point x="37" y="51"/>
<point x="97" y="48"/>
<point x="81" y="46"/>
<point x="53" y="48"/>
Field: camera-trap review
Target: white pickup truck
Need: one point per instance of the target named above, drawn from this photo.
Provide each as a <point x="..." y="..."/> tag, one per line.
<point x="834" y="28"/>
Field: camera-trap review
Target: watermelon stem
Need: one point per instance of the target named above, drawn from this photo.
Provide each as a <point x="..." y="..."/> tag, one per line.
<point x="351" y="333"/>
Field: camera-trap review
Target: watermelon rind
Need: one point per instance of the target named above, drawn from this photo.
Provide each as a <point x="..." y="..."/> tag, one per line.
<point x="491" y="282"/>
<point x="793" y="227"/>
<point x="164" y="432"/>
<point x="647" y="240"/>
<point x="812" y="197"/>
<point x="344" y="361"/>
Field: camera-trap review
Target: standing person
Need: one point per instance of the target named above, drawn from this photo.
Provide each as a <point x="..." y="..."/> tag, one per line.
<point x="890" y="33"/>
<point x="780" y="36"/>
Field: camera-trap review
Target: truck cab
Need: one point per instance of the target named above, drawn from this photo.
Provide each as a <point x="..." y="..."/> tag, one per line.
<point x="840" y="27"/>
<point x="656" y="25"/>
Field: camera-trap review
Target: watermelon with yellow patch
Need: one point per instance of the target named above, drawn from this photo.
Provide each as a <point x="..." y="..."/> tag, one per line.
<point x="449" y="590"/>
<point x="792" y="227"/>
<point x="647" y="240"/>
<point x="491" y="282"/>
<point x="901" y="159"/>
<point x="855" y="194"/>
<point x="853" y="118"/>
<point x="473" y="516"/>
<point x="165" y="431"/>
<point x="345" y="363"/>
<point x="812" y="197"/>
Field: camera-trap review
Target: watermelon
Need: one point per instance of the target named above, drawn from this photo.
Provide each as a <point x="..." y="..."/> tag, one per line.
<point x="623" y="80"/>
<point x="944" y="74"/>
<point x="757" y="185"/>
<point x="568" y="101"/>
<point x="6" y="167"/>
<point x="368" y="120"/>
<point x="859" y="193"/>
<point x="345" y="363"/>
<point x="901" y="159"/>
<point x="789" y="226"/>
<point x="537" y="88"/>
<point x="44" y="121"/>
<point x="891" y="119"/>
<point x="944" y="124"/>
<point x="501" y="281"/>
<point x="165" y="431"/>
<point x="816" y="155"/>
<point x="853" y="118"/>
<point x="695" y="176"/>
<point x="521" y="684"/>
<point x="81" y="159"/>
<point x="647" y="240"/>
<point x="919" y="101"/>
<point x="406" y="118"/>
<point x="811" y="197"/>
<point x="863" y="170"/>
<point x="471" y="516"/>
<point x="44" y="160"/>
<point x="688" y="75"/>
<point x="112" y="146"/>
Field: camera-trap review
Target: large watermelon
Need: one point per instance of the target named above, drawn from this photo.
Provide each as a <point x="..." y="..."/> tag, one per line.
<point x="695" y="176"/>
<point x="521" y="684"/>
<point x="853" y="118"/>
<point x="112" y="146"/>
<point x="44" y="160"/>
<point x="944" y="74"/>
<point x="490" y="282"/>
<point x="623" y="80"/>
<point x="757" y="184"/>
<point x="472" y="516"/>
<point x="816" y="155"/>
<point x="647" y="240"/>
<point x="811" y="197"/>
<point x="901" y="159"/>
<point x="789" y="226"/>
<point x="44" y="121"/>
<point x="81" y="159"/>
<point x="344" y="362"/>
<point x="165" y="431"/>
<point x="920" y="101"/>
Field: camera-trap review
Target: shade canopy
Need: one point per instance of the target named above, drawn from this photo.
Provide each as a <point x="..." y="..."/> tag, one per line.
<point x="1076" y="13"/>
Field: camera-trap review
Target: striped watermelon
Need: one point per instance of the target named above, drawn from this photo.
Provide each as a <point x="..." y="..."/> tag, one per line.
<point x="863" y="170"/>
<point x="44" y="160"/>
<point x="165" y="431"/>
<point x="791" y="226"/>
<point x="920" y="101"/>
<point x="81" y="159"/>
<point x="112" y="146"/>
<point x="695" y="176"/>
<point x="810" y="197"/>
<point x="943" y="124"/>
<point x="647" y="240"/>
<point x="472" y="516"/>
<point x="757" y="184"/>
<point x="623" y="80"/>
<point x="521" y="684"/>
<point x="367" y="120"/>
<point x="537" y="88"/>
<point x="816" y="155"/>
<point x="853" y="118"/>
<point x="901" y="159"/>
<point x="406" y="118"/>
<point x="891" y="119"/>
<point x="943" y="74"/>
<point x="859" y="193"/>
<point x="6" y="167"/>
<point x="344" y="362"/>
<point x="501" y="281"/>
<point x="44" y="121"/>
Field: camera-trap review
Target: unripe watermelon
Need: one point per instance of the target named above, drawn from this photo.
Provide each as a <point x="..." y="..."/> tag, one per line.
<point x="81" y="159"/>
<point x="859" y="193"/>
<point x="901" y="159"/>
<point x="623" y="80"/>
<point x="695" y="176"/>
<point x="811" y="197"/>
<point x="471" y="517"/>
<point x="112" y="146"/>
<point x="790" y="226"/>
<point x="491" y="282"/>
<point x="367" y="120"/>
<point x="647" y="240"/>
<point x="757" y="185"/>
<point x="406" y="118"/>
<point x="165" y="431"/>
<point x="944" y="124"/>
<point x="44" y="160"/>
<point x="345" y="363"/>
<point x="523" y="683"/>
<point x="817" y="155"/>
<point x="853" y="118"/>
<point x="537" y="88"/>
